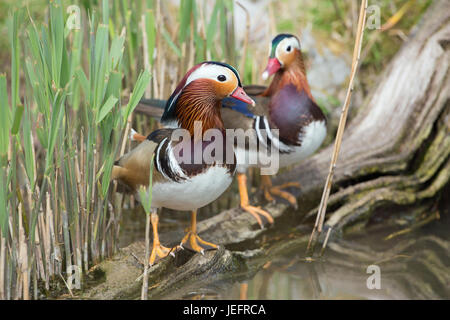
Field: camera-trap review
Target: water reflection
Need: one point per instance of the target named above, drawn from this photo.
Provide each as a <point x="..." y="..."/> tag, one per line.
<point x="413" y="266"/>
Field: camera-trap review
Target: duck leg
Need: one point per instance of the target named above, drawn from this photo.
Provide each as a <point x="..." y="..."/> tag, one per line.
<point x="269" y="190"/>
<point x="192" y="241"/>
<point x="258" y="213"/>
<point x="158" y="251"/>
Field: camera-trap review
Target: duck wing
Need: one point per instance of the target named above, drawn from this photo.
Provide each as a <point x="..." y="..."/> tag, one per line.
<point x="133" y="169"/>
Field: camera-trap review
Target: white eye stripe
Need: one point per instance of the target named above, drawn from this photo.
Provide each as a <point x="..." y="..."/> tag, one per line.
<point x="210" y="71"/>
<point x="285" y="43"/>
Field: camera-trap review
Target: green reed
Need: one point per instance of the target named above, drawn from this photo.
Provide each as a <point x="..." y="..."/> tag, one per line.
<point x="57" y="146"/>
<point x="65" y="123"/>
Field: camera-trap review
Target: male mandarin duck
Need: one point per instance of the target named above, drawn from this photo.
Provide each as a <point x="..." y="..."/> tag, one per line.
<point x="178" y="183"/>
<point x="287" y="105"/>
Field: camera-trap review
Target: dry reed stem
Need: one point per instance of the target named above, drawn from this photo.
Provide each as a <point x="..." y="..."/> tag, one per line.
<point x="245" y="44"/>
<point x="37" y="246"/>
<point x="157" y="64"/>
<point x="162" y="78"/>
<point x="51" y="233"/>
<point x="69" y="287"/>
<point x="81" y="207"/>
<point x="66" y="237"/>
<point x="183" y="60"/>
<point x="155" y="81"/>
<point x="78" y="250"/>
<point x="79" y="183"/>
<point x="47" y="242"/>
<point x="272" y="23"/>
<point x="191" y="46"/>
<point x="144" y="293"/>
<point x="147" y="93"/>
<point x="23" y="258"/>
<point x="318" y="226"/>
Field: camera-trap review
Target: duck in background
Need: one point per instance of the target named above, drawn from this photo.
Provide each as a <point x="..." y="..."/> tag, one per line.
<point x="287" y="105"/>
<point x="178" y="182"/>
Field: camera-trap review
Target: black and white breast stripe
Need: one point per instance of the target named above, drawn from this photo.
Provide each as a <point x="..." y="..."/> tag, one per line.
<point x="167" y="164"/>
<point x="266" y="136"/>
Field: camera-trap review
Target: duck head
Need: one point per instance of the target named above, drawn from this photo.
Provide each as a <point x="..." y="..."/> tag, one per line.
<point x="199" y="95"/>
<point x="284" y="51"/>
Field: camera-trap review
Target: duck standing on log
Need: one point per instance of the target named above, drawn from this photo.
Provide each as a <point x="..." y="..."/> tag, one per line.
<point x="177" y="183"/>
<point x="287" y="105"/>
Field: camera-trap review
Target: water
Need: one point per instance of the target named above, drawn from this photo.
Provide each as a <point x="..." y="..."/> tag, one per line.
<point x="412" y="266"/>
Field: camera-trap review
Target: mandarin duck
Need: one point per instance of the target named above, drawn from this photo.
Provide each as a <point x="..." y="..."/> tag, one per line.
<point x="179" y="182"/>
<point x="286" y="105"/>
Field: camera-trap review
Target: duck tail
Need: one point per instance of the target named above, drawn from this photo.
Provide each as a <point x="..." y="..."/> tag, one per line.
<point x="117" y="172"/>
<point x="151" y="107"/>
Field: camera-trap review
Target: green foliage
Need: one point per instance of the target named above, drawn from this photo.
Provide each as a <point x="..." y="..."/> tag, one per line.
<point x="5" y="120"/>
<point x="79" y="138"/>
<point x="337" y="17"/>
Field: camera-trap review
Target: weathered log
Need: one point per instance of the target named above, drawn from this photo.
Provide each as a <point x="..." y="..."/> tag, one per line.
<point x="395" y="153"/>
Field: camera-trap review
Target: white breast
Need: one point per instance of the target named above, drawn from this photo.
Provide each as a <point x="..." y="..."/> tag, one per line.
<point x="193" y="193"/>
<point x="311" y="138"/>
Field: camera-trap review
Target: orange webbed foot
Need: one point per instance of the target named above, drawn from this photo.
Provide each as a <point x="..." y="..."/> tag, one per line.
<point x="159" y="252"/>
<point x="261" y="216"/>
<point x="193" y="242"/>
<point x="270" y="191"/>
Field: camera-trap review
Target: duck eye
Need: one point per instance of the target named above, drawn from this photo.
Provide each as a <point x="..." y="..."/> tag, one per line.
<point x="221" y="78"/>
<point x="288" y="49"/>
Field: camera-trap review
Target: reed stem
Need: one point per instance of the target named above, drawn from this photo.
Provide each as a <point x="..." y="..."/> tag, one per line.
<point x="318" y="226"/>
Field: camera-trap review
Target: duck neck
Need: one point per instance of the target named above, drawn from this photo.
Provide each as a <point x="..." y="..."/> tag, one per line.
<point x="198" y="102"/>
<point x="294" y="74"/>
